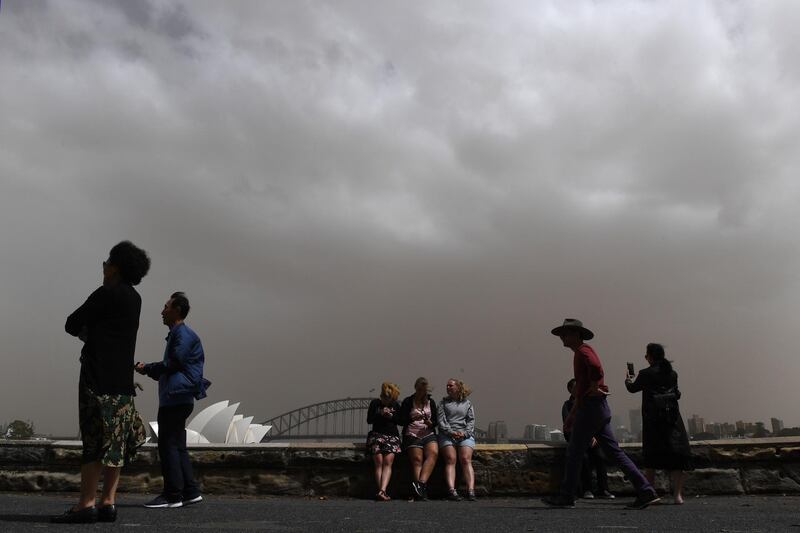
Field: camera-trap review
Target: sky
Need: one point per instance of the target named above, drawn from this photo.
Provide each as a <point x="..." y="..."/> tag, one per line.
<point x="355" y="192"/>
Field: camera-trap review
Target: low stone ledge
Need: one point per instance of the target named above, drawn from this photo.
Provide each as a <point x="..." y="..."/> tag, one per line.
<point x="714" y="481"/>
<point x="39" y="481"/>
<point x="10" y="455"/>
<point x="754" y="466"/>
<point x="763" y="481"/>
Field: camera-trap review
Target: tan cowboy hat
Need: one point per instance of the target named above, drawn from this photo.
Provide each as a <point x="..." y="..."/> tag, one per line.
<point x="573" y="324"/>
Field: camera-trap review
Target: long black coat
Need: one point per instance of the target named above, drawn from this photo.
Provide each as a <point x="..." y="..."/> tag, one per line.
<point x="665" y="444"/>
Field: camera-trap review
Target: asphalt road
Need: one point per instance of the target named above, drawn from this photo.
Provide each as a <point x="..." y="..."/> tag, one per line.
<point x="31" y="512"/>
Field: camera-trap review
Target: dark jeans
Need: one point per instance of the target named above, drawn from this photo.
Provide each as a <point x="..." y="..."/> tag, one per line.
<point x="593" y="419"/>
<point x="592" y="460"/>
<point x="179" y="482"/>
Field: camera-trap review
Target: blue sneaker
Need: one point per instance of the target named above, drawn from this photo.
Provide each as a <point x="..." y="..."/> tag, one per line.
<point x="161" y="501"/>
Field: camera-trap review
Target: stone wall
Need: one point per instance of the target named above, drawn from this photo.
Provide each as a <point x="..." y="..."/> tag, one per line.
<point x="753" y="466"/>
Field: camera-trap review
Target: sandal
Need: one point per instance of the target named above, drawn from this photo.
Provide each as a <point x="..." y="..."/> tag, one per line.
<point x="382" y="496"/>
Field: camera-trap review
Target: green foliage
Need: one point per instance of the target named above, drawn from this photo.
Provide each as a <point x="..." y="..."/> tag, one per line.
<point x="19" y="429"/>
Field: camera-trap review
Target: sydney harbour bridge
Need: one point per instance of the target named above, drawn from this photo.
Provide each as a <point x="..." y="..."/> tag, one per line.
<point x="333" y="419"/>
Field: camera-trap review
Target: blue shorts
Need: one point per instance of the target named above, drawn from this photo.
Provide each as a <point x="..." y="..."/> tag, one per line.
<point x="446" y="440"/>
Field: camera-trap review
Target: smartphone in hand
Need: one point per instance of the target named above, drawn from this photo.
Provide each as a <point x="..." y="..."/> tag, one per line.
<point x="631" y="371"/>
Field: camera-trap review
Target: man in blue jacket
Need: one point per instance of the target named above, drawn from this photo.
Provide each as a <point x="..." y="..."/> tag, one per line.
<point x="180" y="381"/>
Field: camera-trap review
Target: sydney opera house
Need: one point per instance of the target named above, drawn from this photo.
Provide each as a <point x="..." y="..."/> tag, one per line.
<point x="219" y="424"/>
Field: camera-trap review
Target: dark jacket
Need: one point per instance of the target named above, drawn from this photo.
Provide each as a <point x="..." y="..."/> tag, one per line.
<point x="110" y="319"/>
<point x="566" y="409"/>
<point x="180" y="373"/>
<point x="381" y="424"/>
<point x="404" y="416"/>
<point x="665" y="444"/>
<point x="656" y="383"/>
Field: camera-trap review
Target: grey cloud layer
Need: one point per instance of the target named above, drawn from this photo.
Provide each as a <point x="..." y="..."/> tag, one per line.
<point x="356" y="194"/>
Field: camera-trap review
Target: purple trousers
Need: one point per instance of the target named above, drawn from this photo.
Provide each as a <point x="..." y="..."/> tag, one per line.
<point x="593" y="419"/>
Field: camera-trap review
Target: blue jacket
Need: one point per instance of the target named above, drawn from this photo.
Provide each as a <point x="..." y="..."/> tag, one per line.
<point x="180" y="374"/>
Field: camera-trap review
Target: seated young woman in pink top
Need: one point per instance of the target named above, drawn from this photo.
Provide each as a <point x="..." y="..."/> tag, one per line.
<point x="419" y="416"/>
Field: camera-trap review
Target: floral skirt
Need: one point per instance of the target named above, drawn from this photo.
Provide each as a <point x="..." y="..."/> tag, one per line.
<point x="378" y="443"/>
<point x="111" y="428"/>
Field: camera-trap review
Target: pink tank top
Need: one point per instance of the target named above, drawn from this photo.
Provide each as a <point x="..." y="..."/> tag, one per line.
<point x="418" y="428"/>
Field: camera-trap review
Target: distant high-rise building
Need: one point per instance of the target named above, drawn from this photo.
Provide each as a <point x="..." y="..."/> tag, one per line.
<point x="556" y="436"/>
<point x="617" y="422"/>
<point x="696" y="425"/>
<point x="777" y="425"/>
<point x="529" y="432"/>
<point x="635" y="416"/>
<point x="542" y="433"/>
<point x="537" y="432"/>
<point x="745" y="428"/>
<point x="498" y="431"/>
<point x="715" y="428"/>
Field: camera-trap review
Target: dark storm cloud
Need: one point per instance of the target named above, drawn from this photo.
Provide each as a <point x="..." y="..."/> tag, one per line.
<point x="350" y="195"/>
<point x="138" y="13"/>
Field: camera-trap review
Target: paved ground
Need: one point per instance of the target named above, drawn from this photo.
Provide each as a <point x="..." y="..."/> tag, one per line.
<point x="30" y="512"/>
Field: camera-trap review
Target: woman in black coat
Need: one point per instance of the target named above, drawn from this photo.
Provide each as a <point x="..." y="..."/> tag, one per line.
<point x="665" y="445"/>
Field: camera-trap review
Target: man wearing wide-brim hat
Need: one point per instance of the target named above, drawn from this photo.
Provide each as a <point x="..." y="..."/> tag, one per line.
<point x="591" y="418"/>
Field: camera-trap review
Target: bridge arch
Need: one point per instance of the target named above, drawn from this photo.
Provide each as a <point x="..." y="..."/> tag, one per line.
<point x="345" y="418"/>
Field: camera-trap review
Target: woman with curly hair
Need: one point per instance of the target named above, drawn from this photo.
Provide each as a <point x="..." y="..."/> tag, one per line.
<point x="457" y="432"/>
<point x="111" y="428"/>
<point x="383" y="442"/>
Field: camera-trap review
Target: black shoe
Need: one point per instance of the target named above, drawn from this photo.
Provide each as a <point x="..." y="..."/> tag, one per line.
<point x="453" y="496"/>
<point x="71" y="516"/>
<point x="107" y="513"/>
<point x="471" y="496"/>
<point x="161" y="501"/>
<point x="643" y="500"/>
<point x="192" y="501"/>
<point x="605" y="495"/>
<point x="559" y="501"/>
<point x="420" y="490"/>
